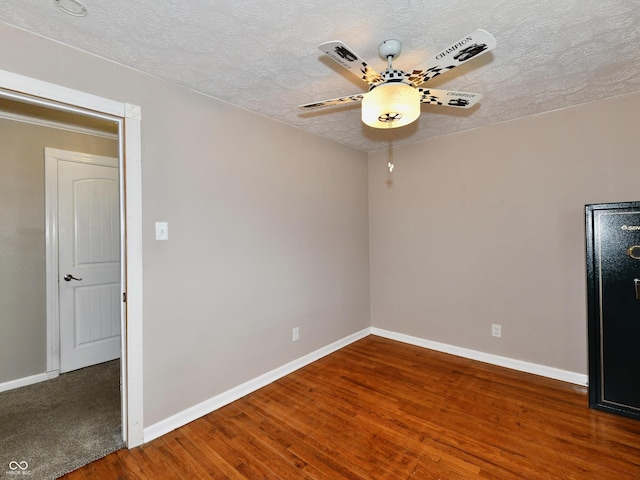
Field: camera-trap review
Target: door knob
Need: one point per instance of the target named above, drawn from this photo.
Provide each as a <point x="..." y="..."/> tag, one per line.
<point x="68" y="277"/>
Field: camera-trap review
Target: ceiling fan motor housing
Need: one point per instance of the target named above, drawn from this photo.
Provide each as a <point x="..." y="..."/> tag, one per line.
<point x="390" y="48"/>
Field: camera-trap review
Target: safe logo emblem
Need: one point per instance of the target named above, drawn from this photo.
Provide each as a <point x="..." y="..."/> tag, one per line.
<point x="18" y="468"/>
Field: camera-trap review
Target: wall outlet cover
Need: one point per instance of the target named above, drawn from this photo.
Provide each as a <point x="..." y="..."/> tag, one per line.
<point x="496" y="330"/>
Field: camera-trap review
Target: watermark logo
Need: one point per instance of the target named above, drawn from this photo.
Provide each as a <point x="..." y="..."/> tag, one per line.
<point x="18" y="468"/>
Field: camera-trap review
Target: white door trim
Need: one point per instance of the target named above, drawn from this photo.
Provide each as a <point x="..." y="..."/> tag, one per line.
<point x="30" y="90"/>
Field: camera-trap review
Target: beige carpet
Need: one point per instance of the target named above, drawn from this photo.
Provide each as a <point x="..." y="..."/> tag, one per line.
<point x="53" y="427"/>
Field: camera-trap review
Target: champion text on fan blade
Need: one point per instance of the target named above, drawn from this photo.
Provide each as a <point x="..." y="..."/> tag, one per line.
<point x="472" y="45"/>
<point x="346" y="57"/>
<point x="448" y="98"/>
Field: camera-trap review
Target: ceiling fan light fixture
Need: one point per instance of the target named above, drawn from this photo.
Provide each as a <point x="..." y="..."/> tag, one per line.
<point x="391" y="105"/>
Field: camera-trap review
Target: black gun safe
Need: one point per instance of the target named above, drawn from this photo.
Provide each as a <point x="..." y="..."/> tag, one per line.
<point x="613" y="296"/>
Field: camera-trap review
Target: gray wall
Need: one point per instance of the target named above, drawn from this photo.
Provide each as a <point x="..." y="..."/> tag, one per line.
<point x="268" y="230"/>
<point x="487" y="226"/>
<point x="22" y="240"/>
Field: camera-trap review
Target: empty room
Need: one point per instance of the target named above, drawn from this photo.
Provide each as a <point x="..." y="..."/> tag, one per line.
<point x="360" y="240"/>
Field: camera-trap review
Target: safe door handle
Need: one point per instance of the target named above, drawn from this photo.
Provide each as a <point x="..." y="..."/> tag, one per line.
<point x="68" y="277"/>
<point x="636" y="284"/>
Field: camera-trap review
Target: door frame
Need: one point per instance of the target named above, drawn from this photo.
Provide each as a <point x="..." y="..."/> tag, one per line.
<point x="128" y="117"/>
<point x="51" y="158"/>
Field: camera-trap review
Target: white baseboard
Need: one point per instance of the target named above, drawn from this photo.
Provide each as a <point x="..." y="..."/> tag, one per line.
<point x="536" y="369"/>
<point x="190" y="414"/>
<point x="24" y="381"/>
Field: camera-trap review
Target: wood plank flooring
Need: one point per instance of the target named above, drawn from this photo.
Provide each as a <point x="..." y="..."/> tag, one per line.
<point x="380" y="409"/>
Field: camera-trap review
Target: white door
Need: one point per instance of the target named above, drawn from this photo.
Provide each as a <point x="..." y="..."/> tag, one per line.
<point x="89" y="263"/>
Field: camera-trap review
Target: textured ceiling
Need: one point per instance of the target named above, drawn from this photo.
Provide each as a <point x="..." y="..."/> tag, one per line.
<point x="262" y="55"/>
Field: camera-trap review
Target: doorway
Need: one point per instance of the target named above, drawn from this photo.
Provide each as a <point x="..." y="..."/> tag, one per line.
<point x="127" y="117"/>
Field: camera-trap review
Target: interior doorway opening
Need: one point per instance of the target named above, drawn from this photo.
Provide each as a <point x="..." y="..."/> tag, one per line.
<point x="60" y="102"/>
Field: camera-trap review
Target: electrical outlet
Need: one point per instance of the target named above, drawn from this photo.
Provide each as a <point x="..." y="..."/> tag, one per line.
<point x="295" y="335"/>
<point x="496" y="330"/>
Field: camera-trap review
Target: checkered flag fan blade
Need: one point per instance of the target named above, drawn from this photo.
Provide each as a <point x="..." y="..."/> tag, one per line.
<point x="347" y="58"/>
<point x="448" y="98"/>
<point x="468" y="47"/>
<point x="332" y="102"/>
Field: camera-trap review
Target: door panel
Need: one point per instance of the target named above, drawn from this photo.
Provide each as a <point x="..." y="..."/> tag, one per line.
<point x="97" y="224"/>
<point x="101" y="305"/>
<point x="613" y="236"/>
<point x="89" y="250"/>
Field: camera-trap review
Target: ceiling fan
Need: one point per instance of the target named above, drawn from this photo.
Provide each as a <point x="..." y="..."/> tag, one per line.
<point x="394" y="96"/>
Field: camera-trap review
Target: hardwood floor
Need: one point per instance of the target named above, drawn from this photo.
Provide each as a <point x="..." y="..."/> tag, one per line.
<point x="380" y="409"/>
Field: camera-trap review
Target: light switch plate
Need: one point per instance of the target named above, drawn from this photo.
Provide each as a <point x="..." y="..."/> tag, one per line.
<point x="162" y="231"/>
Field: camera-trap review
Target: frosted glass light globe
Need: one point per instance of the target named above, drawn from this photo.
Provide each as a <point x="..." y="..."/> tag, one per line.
<point x="391" y="105"/>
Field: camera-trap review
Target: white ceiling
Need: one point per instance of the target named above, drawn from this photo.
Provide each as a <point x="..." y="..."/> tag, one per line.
<point x="262" y="55"/>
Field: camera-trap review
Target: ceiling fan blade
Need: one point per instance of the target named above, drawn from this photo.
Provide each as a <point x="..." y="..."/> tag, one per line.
<point x="332" y="102"/>
<point x="472" y="45"/>
<point x="344" y="56"/>
<point x="448" y="98"/>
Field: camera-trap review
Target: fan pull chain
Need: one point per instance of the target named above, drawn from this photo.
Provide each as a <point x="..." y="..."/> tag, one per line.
<point x="390" y="164"/>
